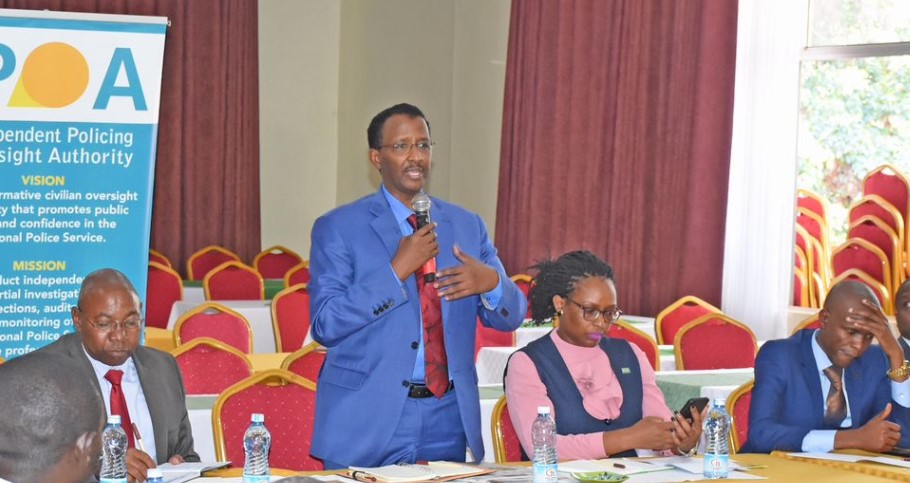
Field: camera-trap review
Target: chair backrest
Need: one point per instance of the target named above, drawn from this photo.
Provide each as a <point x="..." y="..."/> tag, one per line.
<point x="817" y="262"/>
<point x="506" y="446"/>
<point x="874" y="230"/>
<point x="623" y="330"/>
<point x="209" y="366"/>
<point x="738" y="403"/>
<point x="801" y="290"/>
<point x="678" y="314"/>
<point x="306" y="362"/>
<point x="164" y="288"/>
<point x="714" y="341"/>
<point x="815" y="226"/>
<point x="525" y="283"/>
<point x="288" y="402"/>
<point x="291" y="317"/>
<point x="158" y="257"/>
<point x="860" y="254"/>
<point x="890" y="183"/>
<point x="883" y="294"/>
<point x="299" y="273"/>
<point x="274" y="262"/>
<point x="233" y="280"/>
<point x="812" y="202"/>
<point x="216" y="321"/>
<point x="201" y="262"/>
<point x="489" y="337"/>
<point x="877" y="206"/>
<point x="810" y="322"/>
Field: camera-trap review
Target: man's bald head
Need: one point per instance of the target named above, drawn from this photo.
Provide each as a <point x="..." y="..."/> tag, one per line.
<point x="52" y="420"/>
<point x="103" y="279"/>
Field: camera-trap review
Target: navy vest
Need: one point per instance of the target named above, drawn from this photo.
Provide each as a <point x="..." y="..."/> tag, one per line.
<point x="567" y="400"/>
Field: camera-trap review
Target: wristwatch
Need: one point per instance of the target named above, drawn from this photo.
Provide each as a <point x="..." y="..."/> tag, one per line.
<point x="691" y="452"/>
<point x="901" y="373"/>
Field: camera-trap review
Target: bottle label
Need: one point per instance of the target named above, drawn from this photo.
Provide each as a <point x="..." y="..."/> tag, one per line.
<point x="545" y="473"/>
<point x="113" y="480"/>
<point x="717" y="464"/>
<point x="255" y="478"/>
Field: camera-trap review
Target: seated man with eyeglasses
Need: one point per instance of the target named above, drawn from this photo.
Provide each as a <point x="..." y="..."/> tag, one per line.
<point x="602" y="392"/>
<point x="141" y="384"/>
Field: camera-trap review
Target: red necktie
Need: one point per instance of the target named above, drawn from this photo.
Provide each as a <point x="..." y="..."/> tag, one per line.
<point x="118" y="404"/>
<point x="835" y="403"/>
<point x="434" y="348"/>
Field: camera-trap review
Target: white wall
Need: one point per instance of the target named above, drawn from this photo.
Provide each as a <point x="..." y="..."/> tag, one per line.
<point x="328" y="66"/>
<point x="298" y="118"/>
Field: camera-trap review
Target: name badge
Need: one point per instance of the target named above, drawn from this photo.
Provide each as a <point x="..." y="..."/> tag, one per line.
<point x="626" y="370"/>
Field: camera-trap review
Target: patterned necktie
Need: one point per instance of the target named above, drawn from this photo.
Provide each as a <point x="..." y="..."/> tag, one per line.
<point x="118" y="404"/>
<point x="836" y="403"/>
<point x="434" y="348"/>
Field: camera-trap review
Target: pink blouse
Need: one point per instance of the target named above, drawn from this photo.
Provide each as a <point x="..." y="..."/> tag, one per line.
<point x="600" y="390"/>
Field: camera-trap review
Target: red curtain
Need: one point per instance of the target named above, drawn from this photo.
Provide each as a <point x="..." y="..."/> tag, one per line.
<point x="616" y="139"/>
<point x="207" y="172"/>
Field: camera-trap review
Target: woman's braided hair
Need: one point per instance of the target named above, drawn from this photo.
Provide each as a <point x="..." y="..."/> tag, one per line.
<point x="559" y="277"/>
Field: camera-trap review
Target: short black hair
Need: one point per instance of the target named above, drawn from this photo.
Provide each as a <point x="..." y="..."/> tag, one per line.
<point x="374" y="131"/>
<point x="46" y="405"/>
<point x="559" y="277"/>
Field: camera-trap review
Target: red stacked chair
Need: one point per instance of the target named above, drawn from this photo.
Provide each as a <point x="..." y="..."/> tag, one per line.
<point x="233" y="281"/>
<point x="275" y="261"/>
<point x="288" y="402"/>
<point x="291" y="317"/>
<point x="714" y="341"/>
<point x="209" y="366"/>
<point x="164" y="288"/>
<point x="200" y="263"/>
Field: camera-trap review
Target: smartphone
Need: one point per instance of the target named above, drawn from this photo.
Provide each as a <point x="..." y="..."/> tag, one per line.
<point x="698" y="402"/>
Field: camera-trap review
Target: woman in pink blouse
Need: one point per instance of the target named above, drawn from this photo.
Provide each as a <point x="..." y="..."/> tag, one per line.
<point x="602" y="391"/>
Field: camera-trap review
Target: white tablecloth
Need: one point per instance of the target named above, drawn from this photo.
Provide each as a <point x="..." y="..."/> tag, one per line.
<point x="257" y="312"/>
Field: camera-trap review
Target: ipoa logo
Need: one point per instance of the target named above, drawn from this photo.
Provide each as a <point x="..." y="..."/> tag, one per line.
<point x="55" y="75"/>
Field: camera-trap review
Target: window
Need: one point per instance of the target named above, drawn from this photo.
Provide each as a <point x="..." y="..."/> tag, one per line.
<point x="854" y="112"/>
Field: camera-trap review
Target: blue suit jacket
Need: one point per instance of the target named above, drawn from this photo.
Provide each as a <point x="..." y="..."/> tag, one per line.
<point x="370" y="322"/>
<point x="787" y="400"/>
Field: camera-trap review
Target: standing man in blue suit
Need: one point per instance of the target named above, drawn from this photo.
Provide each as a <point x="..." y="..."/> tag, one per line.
<point x="376" y="404"/>
<point x="829" y="388"/>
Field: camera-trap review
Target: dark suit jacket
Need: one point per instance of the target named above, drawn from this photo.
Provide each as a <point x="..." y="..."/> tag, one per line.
<point x="370" y="322"/>
<point x="787" y="400"/>
<point x="162" y="385"/>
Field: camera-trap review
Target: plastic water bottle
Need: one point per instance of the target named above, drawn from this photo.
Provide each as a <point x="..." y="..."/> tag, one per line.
<point x="543" y="434"/>
<point x="256" y="443"/>
<point x="717" y="436"/>
<point x="113" y="452"/>
<point x="154" y="475"/>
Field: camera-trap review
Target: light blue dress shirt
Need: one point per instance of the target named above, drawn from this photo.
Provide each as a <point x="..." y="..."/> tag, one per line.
<point x="822" y="440"/>
<point x="490" y="299"/>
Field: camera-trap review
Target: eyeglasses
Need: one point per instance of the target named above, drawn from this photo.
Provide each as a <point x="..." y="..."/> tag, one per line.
<point x="591" y="314"/>
<point x="401" y="148"/>
<point x="128" y="324"/>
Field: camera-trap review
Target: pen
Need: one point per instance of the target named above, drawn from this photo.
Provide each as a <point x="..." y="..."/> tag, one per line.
<point x="138" y="438"/>
<point x="619" y="465"/>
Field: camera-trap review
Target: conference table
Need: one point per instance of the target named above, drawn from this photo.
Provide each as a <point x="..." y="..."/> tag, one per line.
<point x="773" y="468"/>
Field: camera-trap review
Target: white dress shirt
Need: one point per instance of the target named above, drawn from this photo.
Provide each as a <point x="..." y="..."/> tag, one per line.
<point x="135" y="399"/>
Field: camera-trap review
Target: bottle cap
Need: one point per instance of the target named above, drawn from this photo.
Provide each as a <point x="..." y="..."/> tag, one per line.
<point x="543" y="409"/>
<point x="154" y="473"/>
<point x="113" y="419"/>
<point x="257" y="418"/>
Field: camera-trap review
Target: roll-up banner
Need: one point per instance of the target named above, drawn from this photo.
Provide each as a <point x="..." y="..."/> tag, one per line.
<point x="79" y="99"/>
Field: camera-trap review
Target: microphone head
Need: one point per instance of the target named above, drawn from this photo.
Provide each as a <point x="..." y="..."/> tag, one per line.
<point x="420" y="202"/>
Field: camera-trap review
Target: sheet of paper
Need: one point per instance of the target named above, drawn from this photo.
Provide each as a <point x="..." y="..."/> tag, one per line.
<point x="621" y="466"/>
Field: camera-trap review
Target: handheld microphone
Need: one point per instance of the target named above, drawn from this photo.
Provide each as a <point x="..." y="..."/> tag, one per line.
<point x="420" y="203"/>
